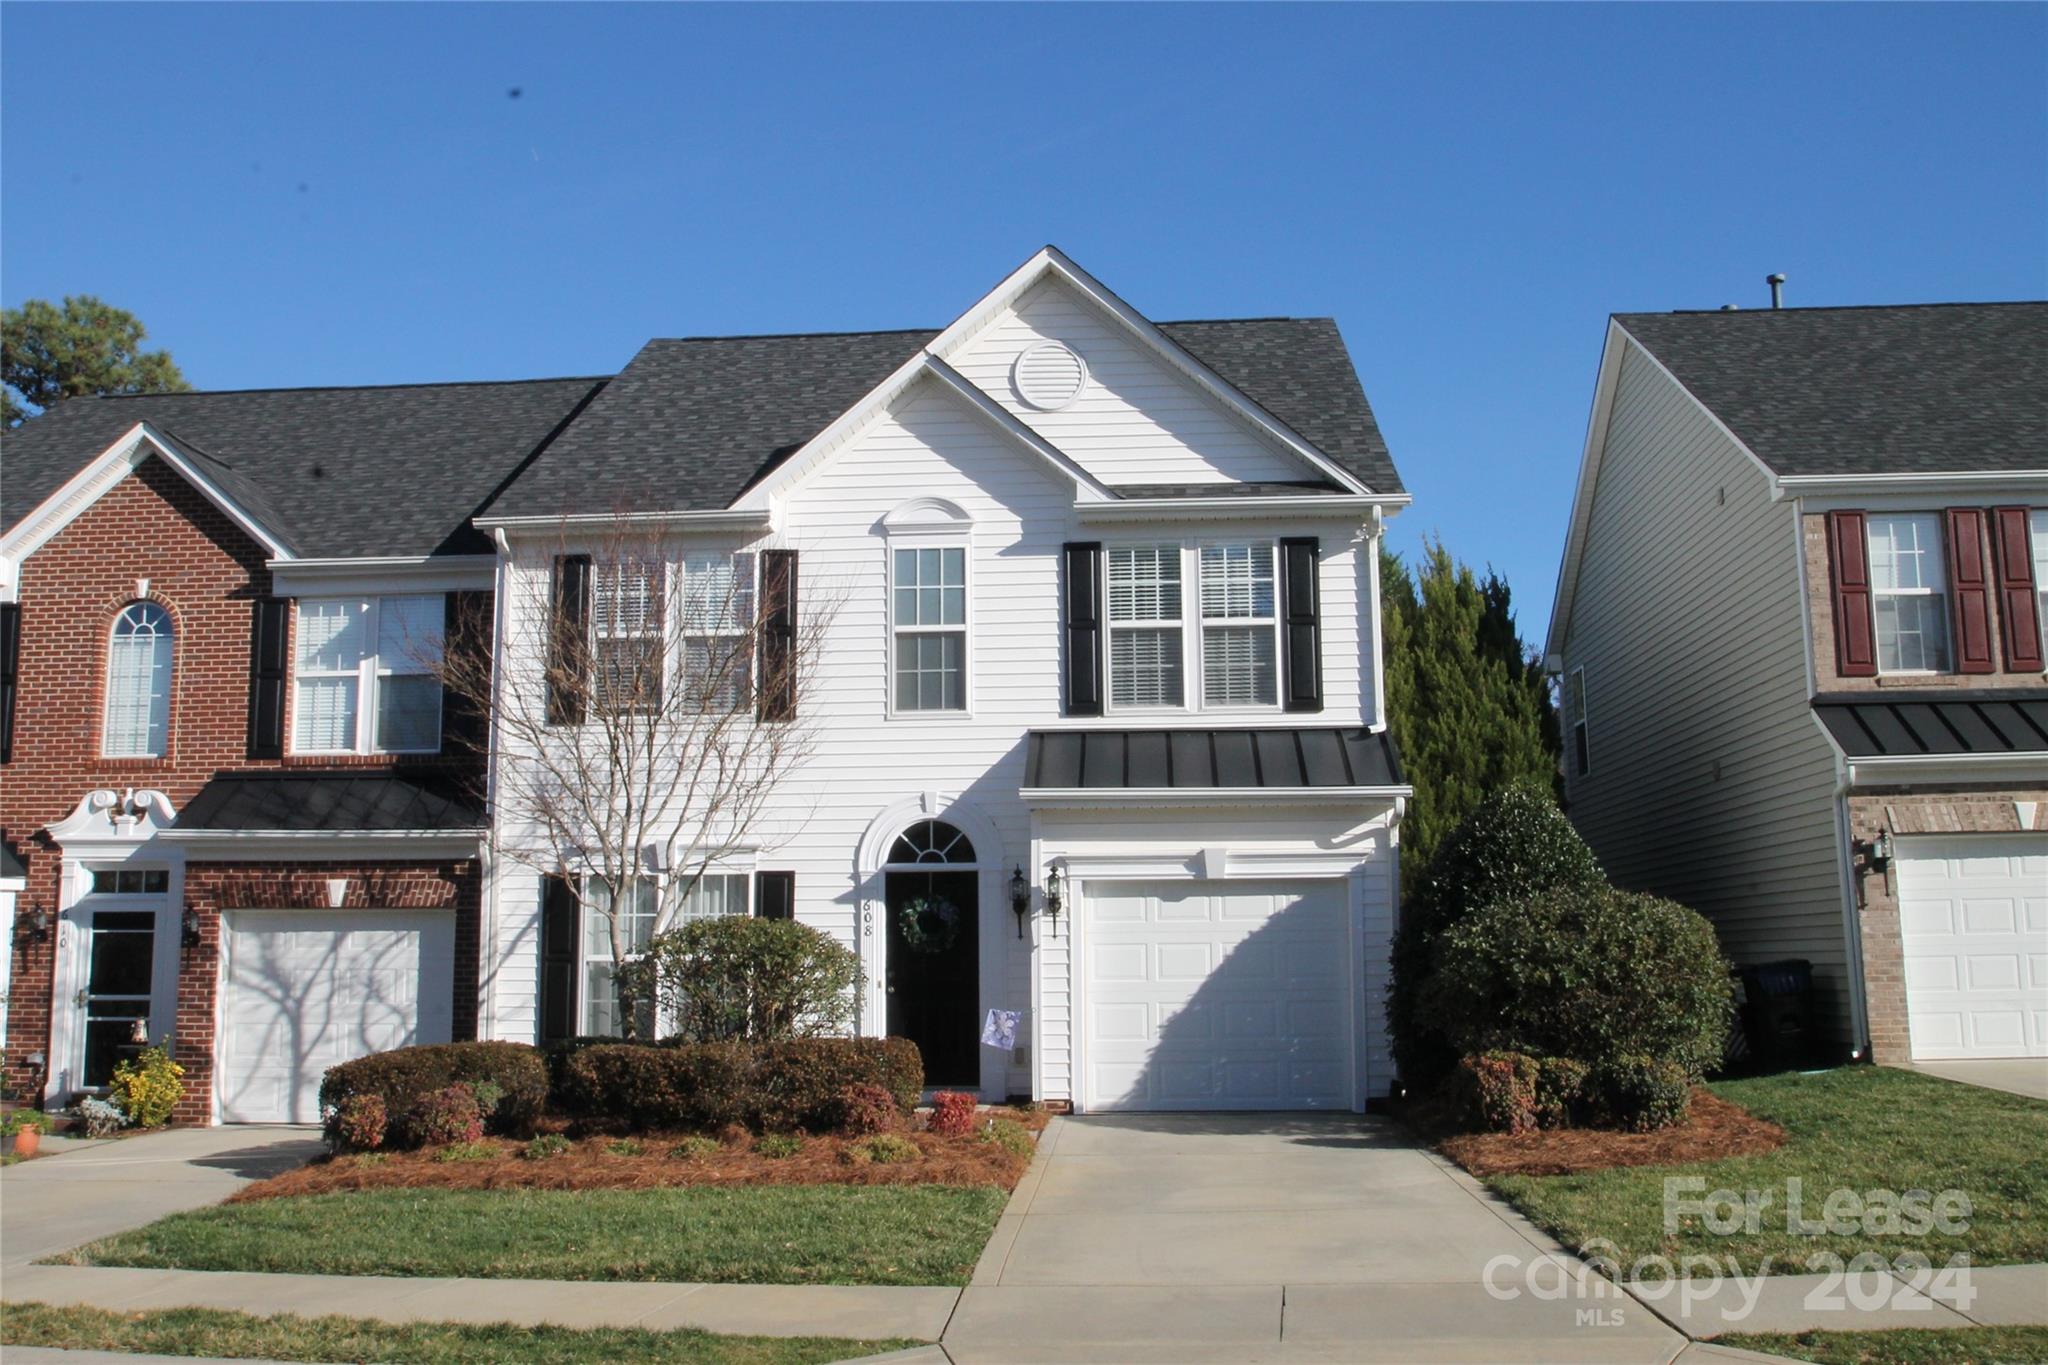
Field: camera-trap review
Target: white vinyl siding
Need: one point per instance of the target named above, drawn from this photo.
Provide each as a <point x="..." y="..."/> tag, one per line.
<point x="1240" y="632"/>
<point x="383" y="649"/>
<point x="928" y="615"/>
<point x="139" y="658"/>
<point x="1146" y="667"/>
<point x="1716" y="788"/>
<point x="1908" y="593"/>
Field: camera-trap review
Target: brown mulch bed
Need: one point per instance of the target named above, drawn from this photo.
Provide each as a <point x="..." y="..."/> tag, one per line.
<point x="588" y="1166"/>
<point x="1714" y="1129"/>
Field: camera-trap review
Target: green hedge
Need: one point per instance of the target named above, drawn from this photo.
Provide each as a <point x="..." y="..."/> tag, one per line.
<point x="401" y="1077"/>
<point x="765" y="1087"/>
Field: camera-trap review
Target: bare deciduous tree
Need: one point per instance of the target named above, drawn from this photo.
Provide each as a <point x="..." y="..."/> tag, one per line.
<point x="648" y="701"/>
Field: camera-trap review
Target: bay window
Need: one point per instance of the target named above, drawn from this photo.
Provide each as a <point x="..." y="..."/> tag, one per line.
<point x="1908" y="593"/>
<point x="364" y="675"/>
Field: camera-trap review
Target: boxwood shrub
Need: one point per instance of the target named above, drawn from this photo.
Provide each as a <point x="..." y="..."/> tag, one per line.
<point x="1514" y="843"/>
<point x="763" y="1087"/>
<point x="403" y="1076"/>
<point x="1589" y="973"/>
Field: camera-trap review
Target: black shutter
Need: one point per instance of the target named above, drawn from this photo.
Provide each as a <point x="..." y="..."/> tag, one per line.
<point x="269" y="636"/>
<point x="1301" y="625"/>
<point x="558" y="915"/>
<point x="778" y="635"/>
<point x="775" y="895"/>
<point x="10" y="676"/>
<point x="1083" y="609"/>
<point x="568" y="640"/>
<point x="466" y="644"/>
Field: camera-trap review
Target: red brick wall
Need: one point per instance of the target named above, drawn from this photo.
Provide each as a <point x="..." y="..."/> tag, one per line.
<point x="213" y="887"/>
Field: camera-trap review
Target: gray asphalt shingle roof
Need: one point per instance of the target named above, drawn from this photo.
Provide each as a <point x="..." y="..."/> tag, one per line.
<point x="1923" y="389"/>
<point x="332" y="472"/>
<point x="700" y="419"/>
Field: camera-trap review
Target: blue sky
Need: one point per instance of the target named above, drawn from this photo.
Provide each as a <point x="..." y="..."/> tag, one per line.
<point x="299" y="194"/>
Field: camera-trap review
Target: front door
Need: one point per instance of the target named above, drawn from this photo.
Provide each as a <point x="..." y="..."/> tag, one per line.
<point x="119" y="976"/>
<point x="932" y="974"/>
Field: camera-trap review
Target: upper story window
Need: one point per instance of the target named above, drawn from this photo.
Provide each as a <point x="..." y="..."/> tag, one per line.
<point x="718" y="630"/>
<point x="626" y="636"/>
<point x="1145" y="623"/>
<point x="364" y="675"/>
<point x="928" y="626"/>
<point x="1240" y="631"/>
<point x="2038" y="530"/>
<point x="138" y="719"/>
<point x="1575" y="706"/>
<point x="1908" y="590"/>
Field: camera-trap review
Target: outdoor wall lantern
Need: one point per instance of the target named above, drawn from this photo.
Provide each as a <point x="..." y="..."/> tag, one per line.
<point x="1020" y="898"/>
<point x="1877" y="852"/>
<point x="1055" y="889"/>
<point x="33" y="927"/>
<point x="190" y="924"/>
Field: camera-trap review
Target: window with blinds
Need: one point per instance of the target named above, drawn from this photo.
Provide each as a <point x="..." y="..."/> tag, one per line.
<point x="138" y="718"/>
<point x="364" y="675"/>
<point x="1909" y="594"/>
<point x="1145" y="612"/>
<point x="625" y="636"/>
<point x="718" y="630"/>
<point x="1240" y="629"/>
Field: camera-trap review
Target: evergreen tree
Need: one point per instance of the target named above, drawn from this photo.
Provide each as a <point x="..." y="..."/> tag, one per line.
<point x="49" y="354"/>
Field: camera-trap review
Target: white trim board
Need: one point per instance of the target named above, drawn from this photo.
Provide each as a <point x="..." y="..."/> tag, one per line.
<point x="380" y="575"/>
<point x="1091" y="797"/>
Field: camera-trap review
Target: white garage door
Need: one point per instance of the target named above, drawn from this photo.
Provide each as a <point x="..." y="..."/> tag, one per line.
<point x="303" y="990"/>
<point x="1973" y="915"/>
<point x="1217" y="995"/>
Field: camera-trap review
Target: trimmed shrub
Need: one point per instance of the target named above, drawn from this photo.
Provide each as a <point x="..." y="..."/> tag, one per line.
<point x="1498" y="1091"/>
<point x="763" y="980"/>
<point x="1514" y="843"/>
<point x="443" y="1116"/>
<point x="469" y="1151"/>
<point x="359" y="1123"/>
<point x="953" y="1113"/>
<point x="696" y="1147"/>
<point x="1589" y="973"/>
<point x="882" y="1149"/>
<point x="758" y="1087"/>
<point x="1641" y="1093"/>
<point x="1008" y="1134"/>
<point x="400" y="1077"/>
<point x="1560" y="1092"/>
<point x="779" y="1146"/>
<point x="545" y="1146"/>
<point x="867" y="1109"/>
<point x="148" y="1087"/>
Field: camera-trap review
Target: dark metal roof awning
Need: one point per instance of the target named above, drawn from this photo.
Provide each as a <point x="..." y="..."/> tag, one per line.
<point x="1934" y="725"/>
<point x="333" y="803"/>
<point x="1308" y="759"/>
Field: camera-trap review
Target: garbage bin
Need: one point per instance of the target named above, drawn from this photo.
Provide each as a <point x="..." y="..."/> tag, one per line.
<point x="1777" y="1013"/>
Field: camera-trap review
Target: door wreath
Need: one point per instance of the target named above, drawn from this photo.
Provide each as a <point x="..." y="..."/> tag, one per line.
<point x="928" y="924"/>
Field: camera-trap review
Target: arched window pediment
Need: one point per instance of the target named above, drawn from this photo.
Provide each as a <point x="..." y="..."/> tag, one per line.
<point x="931" y="841"/>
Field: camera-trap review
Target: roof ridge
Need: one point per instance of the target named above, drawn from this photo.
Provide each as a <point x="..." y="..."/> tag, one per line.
<point x="360" y="388"/>
<point x="911" y="331"/>
<point x="1831" y="308"/>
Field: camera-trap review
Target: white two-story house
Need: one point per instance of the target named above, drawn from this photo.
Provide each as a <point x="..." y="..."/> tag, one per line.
<point x="1101" y="672"/>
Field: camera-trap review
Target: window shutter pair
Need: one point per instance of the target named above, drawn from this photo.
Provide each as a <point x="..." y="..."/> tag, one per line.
<point x="775" y="895"/>
<point x="10" y="675"/>
<point x="269" y="646"/>
<point x="778" y="645"/>
<point x="2012" y="552"/>
<point x="1301" y="630"/>
<point x="466" y="644"/>
<point x="568" y="643"/>
<point x="559" y="911"/>
<point x="1969" y="589"/>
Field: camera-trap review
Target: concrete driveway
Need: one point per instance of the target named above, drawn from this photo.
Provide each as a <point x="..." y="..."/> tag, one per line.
<point x="1275" y="1237"/>
<point x="2020" y="1075"/>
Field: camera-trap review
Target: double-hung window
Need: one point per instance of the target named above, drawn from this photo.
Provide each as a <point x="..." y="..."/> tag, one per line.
<point x="138" y="710"/>
<point x="928" y="626"/>
<point x="1908" y="591"/>
<point x="1145" y="623"/>
<point x="718" y="630"/>
<point x="365" y="675"/>
<point x="626" y="636"/>
<point x="2038" y="532"/>
<point x="1575" y="704"/>
<point x="715" y="894"/>
<point x="1240" y="631"/>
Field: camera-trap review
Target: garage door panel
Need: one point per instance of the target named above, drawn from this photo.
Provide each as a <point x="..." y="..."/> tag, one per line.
<point x="1973" y="915"/>
<point x="1217" y="995"/>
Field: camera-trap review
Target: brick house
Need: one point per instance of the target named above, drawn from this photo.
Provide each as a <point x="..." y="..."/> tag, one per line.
<point x="204" y="809"/>
<point x="1799" y="633"/>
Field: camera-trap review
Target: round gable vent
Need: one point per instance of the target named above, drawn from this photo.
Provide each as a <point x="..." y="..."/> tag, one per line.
<point x="1050" y="375"/>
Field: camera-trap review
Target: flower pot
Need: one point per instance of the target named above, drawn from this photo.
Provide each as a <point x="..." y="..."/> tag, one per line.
<point x="27" y="1142"/>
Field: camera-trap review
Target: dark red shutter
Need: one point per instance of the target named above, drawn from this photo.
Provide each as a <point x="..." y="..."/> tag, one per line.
<point x="1082" y="591"/>
<point x="10" y="678"/>
<point x="775" y="895"/>
<point x="1849" y="586"/>
<point x="778" y="635"/>
<point x="1970" y="590"/>
<point x="2012" y="552"/>
<point x="559" y="911"/>
<point x="568" y="680"/>
<point x="1301" y="624"/>
<point x="466" y="644"/>
<point x="269" y="636"/>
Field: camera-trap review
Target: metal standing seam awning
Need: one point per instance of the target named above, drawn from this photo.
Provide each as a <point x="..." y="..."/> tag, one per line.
<point x="1317" y="760"/>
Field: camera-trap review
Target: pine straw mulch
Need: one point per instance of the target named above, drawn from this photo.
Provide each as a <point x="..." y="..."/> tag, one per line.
<point x="588" y="1166"/>
<point x="1713" y="1129"/>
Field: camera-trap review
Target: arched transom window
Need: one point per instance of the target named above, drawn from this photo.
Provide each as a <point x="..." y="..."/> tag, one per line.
<point x="139" y="683"/>
<point x="931" y="841"/>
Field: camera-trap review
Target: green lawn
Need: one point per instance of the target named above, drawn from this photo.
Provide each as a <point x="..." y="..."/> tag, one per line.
<point x="1902" y="1346"/>
<point x="210" y="1332"/>
<point x="1861" y="1128"/>
<point x="759" y="1234"/>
